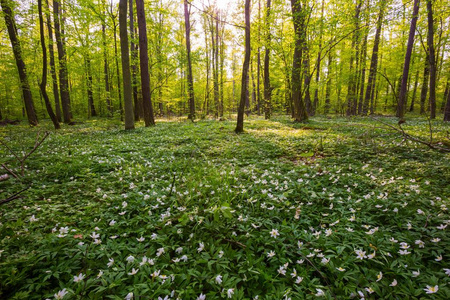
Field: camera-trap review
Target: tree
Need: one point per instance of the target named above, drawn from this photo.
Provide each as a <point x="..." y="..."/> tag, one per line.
<point x="43" y="83"/>
<point x="244" y="79"/>
<point x="17" y="50"/>
<point x="126" y="74"/>
<point x="149" y="118"/>
<point x="432" y="62"/>
<point x="298" y="17"/>
<point x="188" y="54"/>
<point x="267" y="87"/>
<point x="62" y="57"/>
<point x="409" y="48"/>
<point x="447" y="109"/>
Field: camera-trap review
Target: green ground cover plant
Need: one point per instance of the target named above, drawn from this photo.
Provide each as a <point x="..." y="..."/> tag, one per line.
<point x="335" y="208"/>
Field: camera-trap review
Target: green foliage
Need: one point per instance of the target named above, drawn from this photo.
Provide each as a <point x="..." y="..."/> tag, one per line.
<point x="278" y="212"/>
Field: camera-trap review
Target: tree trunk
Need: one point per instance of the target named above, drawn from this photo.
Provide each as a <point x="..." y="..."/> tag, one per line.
<point x="52" y="65"/>
<point x="90" y="93"/>
<point x="373" y="63"/>
<point x="409" y="48"/>
<point x="127" y="89"/>
<point x="319" y="58"/>
<point x="351" y="89"/>
<point x="416" y="83"/>
<point x="430" y="42"/>
<point x="298" y="18"/>
<point x="133" y="50"/>
<point x="267" y="87"/>
<point x="63" y="75"/>
<point x="149" y="118"/>
<point x="190" y="80"/>
<point x="424" y="89"/>
<point x="244" y="79"/>
<point x="447" y="109"/>
<point x="328" y="87"/>
<point x="17" y="50"/>
<point x="43" y="83"/>
<point x="116" y="56"/>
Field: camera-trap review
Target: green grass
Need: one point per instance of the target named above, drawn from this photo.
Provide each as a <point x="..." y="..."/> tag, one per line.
<point x="208" y="202"/>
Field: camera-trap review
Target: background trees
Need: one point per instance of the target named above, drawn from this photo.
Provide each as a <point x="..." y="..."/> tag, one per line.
<point x="348" y="58"/>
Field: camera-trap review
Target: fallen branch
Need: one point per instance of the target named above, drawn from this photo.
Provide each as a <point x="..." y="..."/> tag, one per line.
<point x="13" y="197"/>
<point x="10" y="171"/>
<point x="409" y="137"/>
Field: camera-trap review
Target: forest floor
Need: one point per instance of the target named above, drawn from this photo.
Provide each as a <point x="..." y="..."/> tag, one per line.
<point x="335" y="208"/>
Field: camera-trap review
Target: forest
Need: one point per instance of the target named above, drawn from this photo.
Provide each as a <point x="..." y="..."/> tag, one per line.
<point x="224" y="149"/>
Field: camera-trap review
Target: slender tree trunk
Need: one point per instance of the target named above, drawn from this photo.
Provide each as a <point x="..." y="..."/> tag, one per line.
<point x="133" y="50"/>
<point x="409" y="48"/>
<point x="244" y="80"/>
<point x="424" y="89"/>
<point x="299" y="19"/>
<point x="190" y="80"/>
<point x="127" y="89"/>
<point x="319" y="58"/>
<point x="17" y="50"/>
<point x="90" y="93"/>
<point x="52" y="65"/>
<point x="413" y="100"/>
<point x="63" y="75"/>
<point x="143" y="56"/>
<point x="328" y="87"/>
<point x="258" y="66"/>
<point x="351" y="89"/>
<point x="373" y="62"/>
<point x="447" y="109"/>
<point x="431" y="50"/>
<point x="267" y="87"/>
<point x="43" y="83"/>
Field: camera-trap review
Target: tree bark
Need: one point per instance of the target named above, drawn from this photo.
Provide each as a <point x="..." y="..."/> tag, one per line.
<point x="127" y="89"/>
<point x="431" y="50"/>
<point x="92" y="112"/>
<point x="244" y="79"/>
<point x="134" y="51"/>
<point x="17" y="50"/>
<point x="62" y="57"/>
<point x="116" y="56"/>
<point x="424" y="89"/>
<point x="319" y="58"/>
<point x="43" y="83"/>
<point x="373" y="62"/>
<point x="416" y="83"/>
<point x="409" y="48"/>
<point x="190" y="79"/>
<point x="328" y="87"/>
<point x="300" y="113"/>
<point x="267" y="87"/>
<point x="149" y="118"/>
<point x="447" y="109"/>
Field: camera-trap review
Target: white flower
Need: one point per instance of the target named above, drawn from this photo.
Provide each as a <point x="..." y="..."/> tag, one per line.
<point x="179" y="250"/>
<point x="218" y="279"/>
<point x="274" y="233"/>
<point x="447" y="271"/>
<point x="431" y="289"/>
<point x="111" y="262"/>
<point x="154" y="236"/>
<point x="271" y="253"/>
<point x="79" y="278"/>
<point x="230" y="293"/>
<point x="298" y="280"/>
<point x="221" y="253"/>
<point x="130" y="258"/>
<point x="129" y="296"/>
<point x="420" y="243"/>
<point x="328" y="232"/>
<point x="159" y="252"/>
<point x="415" y="274"/>
<point x="404" y="252"/>
<point x="439" y="258"/>
<point x="133" y="271"/>
<point x="201" y="297"/>
<point x="436" y="240"/>
<point x="394" y="283"/>
<point x="341" y="269"/>
<point x="61" y="294"/>
<point x="141" y="239"/>
<point x="320" y="293"/>
<point x="33" y="219"/>
<point x="184" y="258"/>
<point x="95" y="235"/>
<point x="360" y="254"/>
<point x="325" y="260"/>
<point x="112" y="223"/>
<point x="100" y="273"/>
<point x="370" y="290"/>
<point x="370" y="256"/>
<point x="379" y="276"/>
<point x="201" y="246"/>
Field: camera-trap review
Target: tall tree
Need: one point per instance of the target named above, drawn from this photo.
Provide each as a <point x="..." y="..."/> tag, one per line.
<point x="447" y="109"/>
<point x="149" y="118"/>
<point x="319" y="59"/>
<point x="298" y="17"/>
<point x="62" y="57"/>
<point x="134" y="54"/>
<point x="52" y="64"/>
<point x="351" y="90"/>
<point x="106" y="65"/>
<point x="267" y="87"/>
<point x="432" y="55"/>
<point x="374" y="61"/>
<point x="190" y="79"/>
<point x="424" y="89"/>
<point x="17" y="50"/>
<point x="43" y="83"/>
<point x="409" y="48"/>
<point x="245" y="67"/>
<point x="126" y="74"/>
